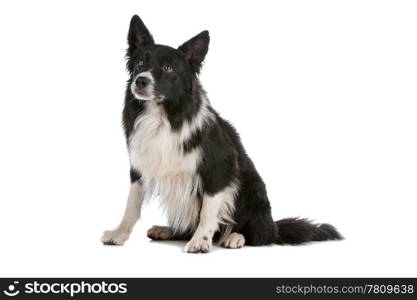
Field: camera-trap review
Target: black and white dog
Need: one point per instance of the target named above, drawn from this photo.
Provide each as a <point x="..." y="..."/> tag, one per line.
<point x="183" y="151"/>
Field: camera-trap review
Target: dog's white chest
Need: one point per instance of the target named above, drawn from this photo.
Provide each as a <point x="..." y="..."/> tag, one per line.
<point x="157" y="153"/>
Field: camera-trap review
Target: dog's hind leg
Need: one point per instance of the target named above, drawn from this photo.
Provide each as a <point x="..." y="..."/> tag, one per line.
<point x="131" y="216"/>
<point x="164" y="233"/>
<point x="234" y="240"/>
<point x="160" y="233"/>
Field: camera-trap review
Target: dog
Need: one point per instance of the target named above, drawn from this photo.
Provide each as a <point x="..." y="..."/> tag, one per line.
<point x="182" y="150"/>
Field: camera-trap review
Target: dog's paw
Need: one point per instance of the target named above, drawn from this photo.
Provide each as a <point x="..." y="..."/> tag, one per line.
<point x="114" y="237"/>
<point x="198" y="245"/>
<point x="159" y="233"/>
<point x="234" y="240"/>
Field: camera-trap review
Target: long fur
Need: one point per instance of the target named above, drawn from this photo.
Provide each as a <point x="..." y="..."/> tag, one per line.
<point x="297" y="231"/>
<point x="182" y="150"/>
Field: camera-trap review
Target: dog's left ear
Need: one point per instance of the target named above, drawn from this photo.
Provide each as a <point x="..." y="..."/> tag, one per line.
<point x="195" y="50"/>
<point x="138" y="36"/>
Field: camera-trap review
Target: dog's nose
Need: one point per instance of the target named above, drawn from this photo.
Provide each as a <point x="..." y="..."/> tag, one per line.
<point x="142" y="82"/>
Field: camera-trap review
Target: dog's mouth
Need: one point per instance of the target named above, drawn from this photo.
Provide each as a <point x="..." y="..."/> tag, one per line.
<point x="146" y="95"/>
<point x="140" y="94"/>
<point x="143" y="94"/>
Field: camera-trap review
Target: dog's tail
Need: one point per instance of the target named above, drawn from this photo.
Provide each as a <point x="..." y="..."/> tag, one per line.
<point x="296" y="231"/>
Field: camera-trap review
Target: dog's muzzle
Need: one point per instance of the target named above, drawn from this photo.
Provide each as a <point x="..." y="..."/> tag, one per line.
<point x="142" y="86"/>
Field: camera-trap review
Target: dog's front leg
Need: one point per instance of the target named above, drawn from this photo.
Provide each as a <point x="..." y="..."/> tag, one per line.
<point x="131" y="216"/>
<point x="201" y="242"/>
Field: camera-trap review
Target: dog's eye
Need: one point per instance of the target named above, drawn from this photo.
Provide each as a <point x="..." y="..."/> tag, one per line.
<point x="167" y="68"/>
<point x="141" y="63"/>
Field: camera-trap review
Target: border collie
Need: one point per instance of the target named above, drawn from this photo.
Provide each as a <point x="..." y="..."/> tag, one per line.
<point x="182" y="150"/>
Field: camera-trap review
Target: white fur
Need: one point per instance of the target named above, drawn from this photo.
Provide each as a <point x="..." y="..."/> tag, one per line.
<point x="215" y="209"/>
<point x="156" y="151"/>
<point x="167" y="171"/>
<point x="131" y="216"/>
<point x="227" y="209"/>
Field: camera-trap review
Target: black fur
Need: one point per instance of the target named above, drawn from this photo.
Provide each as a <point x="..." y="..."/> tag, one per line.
<point x="224" y="159"/>
<point x="134" y="175"/>
<point x="296" y="231"/>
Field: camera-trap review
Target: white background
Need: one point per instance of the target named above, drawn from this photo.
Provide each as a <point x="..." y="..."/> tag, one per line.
<point x="323" y="94"/>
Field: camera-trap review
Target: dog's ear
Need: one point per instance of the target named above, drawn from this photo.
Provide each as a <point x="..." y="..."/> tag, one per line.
<point x="138" y="36"/>
<point x="195" y="50"/>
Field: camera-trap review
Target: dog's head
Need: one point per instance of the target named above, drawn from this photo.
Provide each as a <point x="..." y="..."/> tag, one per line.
<point x="160" y="73"/>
